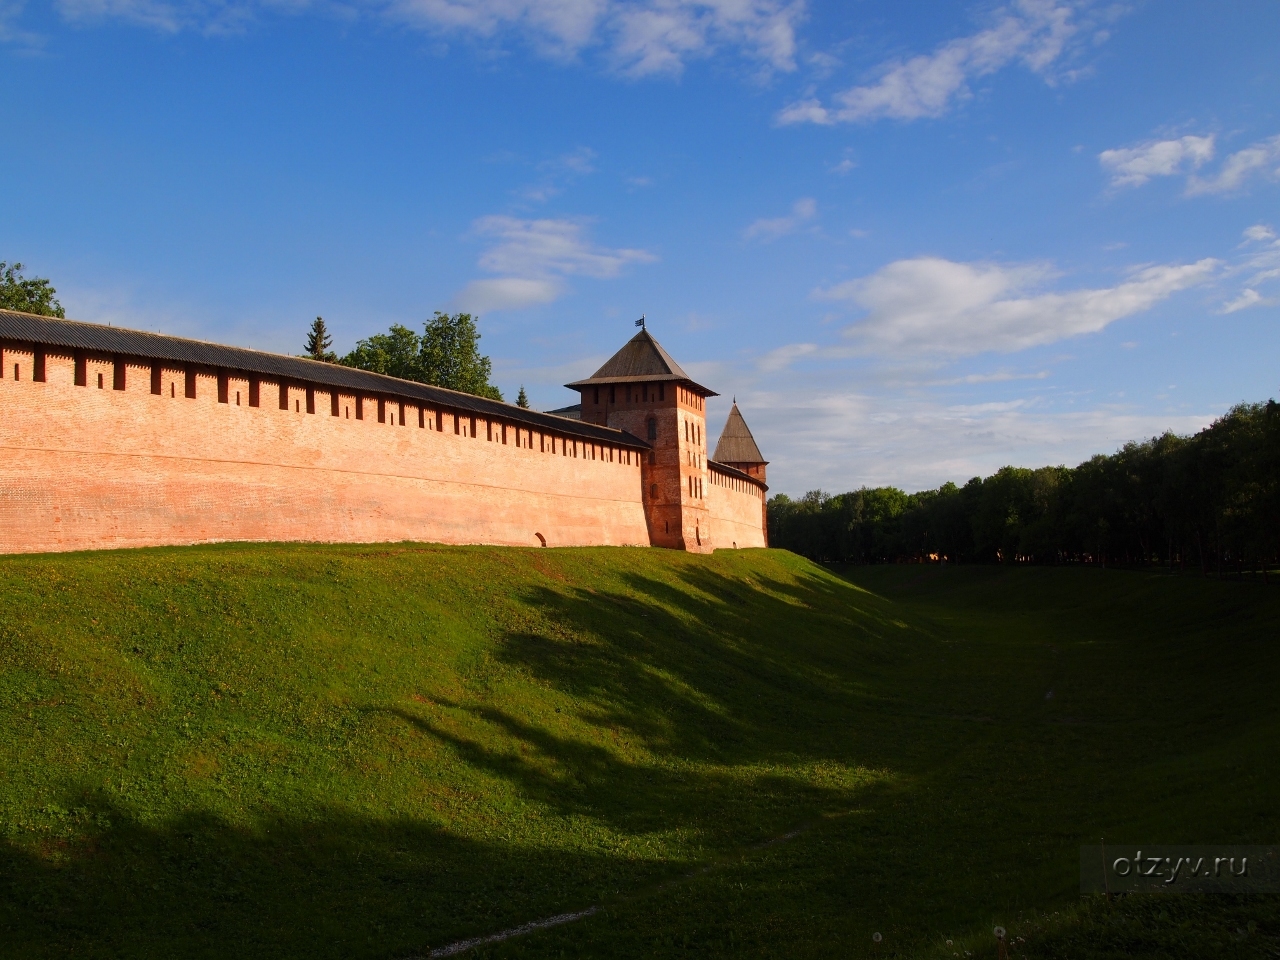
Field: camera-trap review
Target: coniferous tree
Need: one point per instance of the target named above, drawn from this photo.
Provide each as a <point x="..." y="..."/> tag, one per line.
<point x="28" y="294"/>
<point x="319" y="342"/>
<point x="522" y="398"/>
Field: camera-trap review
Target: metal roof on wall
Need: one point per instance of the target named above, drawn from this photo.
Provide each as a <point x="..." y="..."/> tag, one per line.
<point x="28" y="328"/>
<point x="735" y="472"/>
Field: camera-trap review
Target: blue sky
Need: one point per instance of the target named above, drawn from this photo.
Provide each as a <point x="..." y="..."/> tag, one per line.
<point x="917" y="241"/>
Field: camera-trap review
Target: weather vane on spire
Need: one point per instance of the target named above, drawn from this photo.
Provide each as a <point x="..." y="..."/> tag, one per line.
<point x="640" y="322"/>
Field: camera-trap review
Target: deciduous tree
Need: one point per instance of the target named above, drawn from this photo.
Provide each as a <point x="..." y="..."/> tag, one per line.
<point x="28" y="294"/>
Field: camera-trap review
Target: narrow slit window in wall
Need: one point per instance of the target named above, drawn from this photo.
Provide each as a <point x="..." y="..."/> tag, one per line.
<point x="311" y="400"/>
<point x="224" y="387"/>
<point x="402" y="414"/>
<point x="334" y="404"/>
<point x="191" y="383"/>
<point x="284" y="396"/>
<point x="440" y="421"/>
<point x="82" y="371"/>
<point x="422" y="419"/>
<point x="157" y="378"/>
<point x="297" y="406"/>
<point x="473" y="428"/>
<point x="653" y="457"/>
<point x="237" y="398"/>
<point x="16" y="372"/>
<point x="382" y="410"/>
<point x="37" y="366"/>
<point x="457" y="424"/>
<point x="653" y="491"/>
<point x="173" y="390"/>
<point x="99" y="381"/>
<point x="662" y="391"/>
<point x="359" y="407"/>
<point x="255" y="391"/>
<point x="118" y="373"/>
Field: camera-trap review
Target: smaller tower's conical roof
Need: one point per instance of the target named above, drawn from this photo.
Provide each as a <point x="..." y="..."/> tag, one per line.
<point x="736" y="444"/>
<point x="641" y="358"/>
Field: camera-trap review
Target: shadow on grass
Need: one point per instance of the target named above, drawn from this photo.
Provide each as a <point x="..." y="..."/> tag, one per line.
<point x="337" y="886"/>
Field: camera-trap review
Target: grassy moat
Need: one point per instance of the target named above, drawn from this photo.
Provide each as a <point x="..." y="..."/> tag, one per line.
<point x="371" y="752"/>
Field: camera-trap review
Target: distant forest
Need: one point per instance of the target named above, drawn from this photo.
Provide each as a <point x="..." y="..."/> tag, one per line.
<point x="1209" y="502"/>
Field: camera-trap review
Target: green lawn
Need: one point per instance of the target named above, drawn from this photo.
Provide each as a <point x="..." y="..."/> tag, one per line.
<point x="302" y="751"/>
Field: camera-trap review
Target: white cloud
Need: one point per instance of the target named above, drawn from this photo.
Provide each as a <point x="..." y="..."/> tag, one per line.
<point x="802" y="211"/>
<point x="11" y="33"/>
<point x="1258" y="233"/>
<point x="540" y="248"/>
<point x="1034" y="32"/>
<point x="931" y="306"/>
<point x="846" y="165"/>
<point x="532" y="258"/>
<point x="636" y="37"/>
<point x="579" y="162"/>
<point x="1260" y="159"/>
<point x="1134" y="166"/>
<point x="507" y="293"/>
<point x="1248" y="298"/>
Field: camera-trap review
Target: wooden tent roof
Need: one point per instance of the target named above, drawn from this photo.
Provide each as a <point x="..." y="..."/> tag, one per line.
<point x="641" y="359"/>
<point x="736" y="444"/>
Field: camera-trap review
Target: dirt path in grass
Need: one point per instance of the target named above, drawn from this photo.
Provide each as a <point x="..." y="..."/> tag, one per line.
<point x="461" y="946"/>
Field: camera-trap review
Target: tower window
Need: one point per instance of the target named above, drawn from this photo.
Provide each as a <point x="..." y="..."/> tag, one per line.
<point x="653" y="428"/>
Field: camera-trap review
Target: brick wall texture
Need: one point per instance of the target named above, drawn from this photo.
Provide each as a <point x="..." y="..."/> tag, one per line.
<point x="96" y="466"/>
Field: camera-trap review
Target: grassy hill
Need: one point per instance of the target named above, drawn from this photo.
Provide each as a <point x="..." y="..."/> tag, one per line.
<point x="300" y="751"/>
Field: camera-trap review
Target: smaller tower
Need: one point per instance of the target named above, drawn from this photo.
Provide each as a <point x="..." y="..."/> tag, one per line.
<point x="737" y="447"/>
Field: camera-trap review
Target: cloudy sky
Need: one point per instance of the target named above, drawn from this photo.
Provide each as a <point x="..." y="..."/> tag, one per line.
<point x="917" y="241"/>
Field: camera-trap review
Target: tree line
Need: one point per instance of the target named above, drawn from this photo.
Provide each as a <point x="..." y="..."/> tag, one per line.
<point x="1209" y="502"/>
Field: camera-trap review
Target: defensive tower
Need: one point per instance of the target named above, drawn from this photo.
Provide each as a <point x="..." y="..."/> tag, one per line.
<point x="737" y="447"/>
<point x="643" y="391"/>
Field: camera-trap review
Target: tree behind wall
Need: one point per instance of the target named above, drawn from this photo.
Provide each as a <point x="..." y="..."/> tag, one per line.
<point x="28" y="294"/>
<point x="319" y="342"/>
<point x="446" y="355"/>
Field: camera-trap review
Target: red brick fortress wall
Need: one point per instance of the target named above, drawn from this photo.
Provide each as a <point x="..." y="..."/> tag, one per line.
<point x="93" y="458"/>
<point x="669" y="417"/>
<point x="737" y="508"/>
